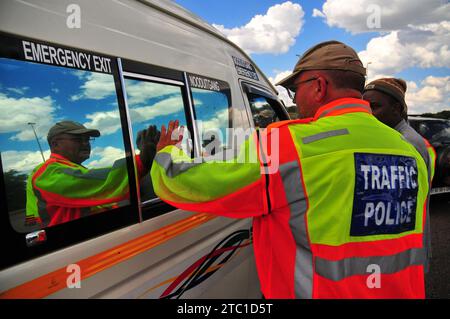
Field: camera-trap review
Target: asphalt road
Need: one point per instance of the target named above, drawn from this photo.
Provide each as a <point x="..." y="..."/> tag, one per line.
<point x="438" y="279"/>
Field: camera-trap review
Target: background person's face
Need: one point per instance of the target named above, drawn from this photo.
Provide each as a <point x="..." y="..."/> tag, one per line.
<point x="384" y="108"/>
<point x="76" y="148"/>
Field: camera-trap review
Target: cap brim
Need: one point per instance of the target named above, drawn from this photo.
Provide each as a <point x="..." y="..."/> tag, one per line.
<point x="287" y="81"/>
<point x="89" y="132"/>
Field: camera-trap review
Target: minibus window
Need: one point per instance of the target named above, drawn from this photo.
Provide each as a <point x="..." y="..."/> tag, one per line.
<point x="262" y="112"/>
<point x="212" y="109"/>
<point x="153" y="103"/>
<point x="54" y="172"/>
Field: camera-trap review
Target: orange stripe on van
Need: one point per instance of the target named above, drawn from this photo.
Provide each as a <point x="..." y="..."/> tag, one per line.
<point x="55" y="281"/>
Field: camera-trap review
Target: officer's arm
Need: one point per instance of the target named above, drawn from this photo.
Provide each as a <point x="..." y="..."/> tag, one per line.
<point x="232" y="188"/>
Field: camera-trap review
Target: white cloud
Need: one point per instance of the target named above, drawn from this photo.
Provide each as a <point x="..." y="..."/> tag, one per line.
<point x="353" y="15"/>
<point x="422" y="46"/>
<point x="138" y="92"/>
<point x="104" y="156"/>
<point x="274" y="32"/>
<point x="283" y="95"/>
<point x="18" y="112"/>
<point x="213" y="127"/>
<point x="317" y="13"/>
<point x="168" y="106"/>
<point x="106" y="122"/>
<point x="418" y="32"/>
<point x="26" y="161"/>
<point x="432" y="95"/>
<point x="80" y="73"/>
<point x="385" y="55"/>
<point x="20" y="91"/>
<point x="22" y="161"/>
<point x="97" y="86"/>
<point x="109" y="122"/>
<point x="218" y="121"/>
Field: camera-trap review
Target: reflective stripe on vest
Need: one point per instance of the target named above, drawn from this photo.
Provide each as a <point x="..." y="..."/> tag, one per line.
<point x="323" y="135"/>
<point x="290" y="173"/>
<point x="173" y="169"/>
<point x="341" y="269"/>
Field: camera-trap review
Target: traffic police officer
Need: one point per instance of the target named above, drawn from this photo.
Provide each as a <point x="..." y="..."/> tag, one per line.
<point x="337" y="207"/>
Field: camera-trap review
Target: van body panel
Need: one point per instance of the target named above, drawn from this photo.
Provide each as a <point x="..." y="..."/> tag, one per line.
<point x="203" y="259"/>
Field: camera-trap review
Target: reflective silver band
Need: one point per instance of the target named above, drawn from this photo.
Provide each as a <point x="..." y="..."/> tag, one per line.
<point x="324" y="135"/>
<point x="172" y="169"/>
<point x="340" y="269"/>
<point x="290" y="174"/>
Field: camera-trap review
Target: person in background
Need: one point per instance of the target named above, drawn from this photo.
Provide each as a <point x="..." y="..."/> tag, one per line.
<point x="387" y="100"/>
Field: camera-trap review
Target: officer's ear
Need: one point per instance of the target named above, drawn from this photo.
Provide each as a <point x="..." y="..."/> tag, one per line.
<point x="403" y="112"/>
<point x="321" y="88"/>
<point x="398" y="109"/>
<point x="53" y="143"/>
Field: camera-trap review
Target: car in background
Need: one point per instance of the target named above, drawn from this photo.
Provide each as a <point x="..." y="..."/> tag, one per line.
<point x="437" y="132"/>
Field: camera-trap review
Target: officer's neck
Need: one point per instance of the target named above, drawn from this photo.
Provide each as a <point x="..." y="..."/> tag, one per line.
<point x="337" y="94"/>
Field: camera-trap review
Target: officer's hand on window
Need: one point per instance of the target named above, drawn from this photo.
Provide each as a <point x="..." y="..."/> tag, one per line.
<point x="172" y="136"/>
<point x="146" y="142"/>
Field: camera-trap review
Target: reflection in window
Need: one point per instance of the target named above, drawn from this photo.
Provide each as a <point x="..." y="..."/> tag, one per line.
<point x="56" y="180"/>
<point x="213" y="119"/>
<point x="154" y="104"/>
<point x="262" y="111"/>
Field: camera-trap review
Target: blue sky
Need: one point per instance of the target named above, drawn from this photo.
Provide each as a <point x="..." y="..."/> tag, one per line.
<point x="405" y="38"/>
<point x="234" y="13"/>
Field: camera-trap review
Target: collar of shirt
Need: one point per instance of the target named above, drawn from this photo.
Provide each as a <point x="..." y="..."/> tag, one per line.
<point x="343" y="106"/>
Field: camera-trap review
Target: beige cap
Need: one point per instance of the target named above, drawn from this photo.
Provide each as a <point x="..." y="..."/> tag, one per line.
<point x="70" y="127"/>
<point x="329" y="55"/>
<point x="390" y="86"/>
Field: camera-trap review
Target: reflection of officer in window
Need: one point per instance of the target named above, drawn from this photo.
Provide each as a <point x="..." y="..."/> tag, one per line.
<point x="61" y="189"/>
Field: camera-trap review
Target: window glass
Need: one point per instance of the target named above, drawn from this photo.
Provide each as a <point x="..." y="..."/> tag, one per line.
<point x="76" y="177"/>
<point x="262" y="111"/>
<point x="213" y="119"/>
<point x="153" y="103"/>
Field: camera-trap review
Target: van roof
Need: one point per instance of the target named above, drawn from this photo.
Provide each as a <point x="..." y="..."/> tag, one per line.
<point x="174" y="9"/>
<point x="139" y="36"/>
